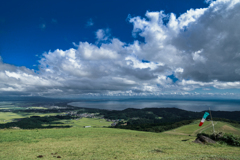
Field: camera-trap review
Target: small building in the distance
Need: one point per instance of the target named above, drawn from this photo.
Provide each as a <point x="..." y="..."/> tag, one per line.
<point x="114" y="124"/>
<point x="87" y="126"/>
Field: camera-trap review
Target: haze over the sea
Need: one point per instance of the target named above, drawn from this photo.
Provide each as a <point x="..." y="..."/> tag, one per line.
<point x="189" y="105"/>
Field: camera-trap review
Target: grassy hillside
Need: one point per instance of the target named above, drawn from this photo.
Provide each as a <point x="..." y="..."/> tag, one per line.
<point x="109" y="143"/>
<point x="93" y="122"/>
<point x="223" y="127"/>
<point x="9" y="116"/>
<point x="193" y="129"/>
<point x="105" y="143"/>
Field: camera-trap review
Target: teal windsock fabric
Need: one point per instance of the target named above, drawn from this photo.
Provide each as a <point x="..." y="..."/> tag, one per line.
<point x="205" y="115"/>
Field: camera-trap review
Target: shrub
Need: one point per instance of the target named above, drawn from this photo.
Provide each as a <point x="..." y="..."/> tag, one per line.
<point x="230" y="139"/>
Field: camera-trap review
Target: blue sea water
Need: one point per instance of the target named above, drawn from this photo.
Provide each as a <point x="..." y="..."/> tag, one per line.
<point x="190" y="105"/>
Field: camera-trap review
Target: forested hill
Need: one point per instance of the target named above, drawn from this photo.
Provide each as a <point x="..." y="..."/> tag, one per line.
<point x="167" y="113"/>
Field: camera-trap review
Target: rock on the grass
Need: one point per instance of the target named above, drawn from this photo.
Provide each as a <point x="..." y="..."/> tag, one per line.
<point x="198" y="141"/>
<point x="204" y="139"/>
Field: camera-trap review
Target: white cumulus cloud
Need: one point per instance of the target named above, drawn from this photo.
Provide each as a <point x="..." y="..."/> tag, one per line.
<point x="200" y="48"/>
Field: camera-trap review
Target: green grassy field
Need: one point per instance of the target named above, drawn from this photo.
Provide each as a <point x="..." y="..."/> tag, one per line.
<point x="9" y="116"/>
<point x="6" y="117"/>
<point x="193" y="129"/>
<point x="109" y="143"/>
<point x="93" y="122"/>
<point x="105" y="143"/>
<point x="223" y="127"/>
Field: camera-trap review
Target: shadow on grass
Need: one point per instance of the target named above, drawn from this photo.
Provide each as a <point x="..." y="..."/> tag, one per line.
<point x="35" y="122"/>
<point x="157" y="151"/>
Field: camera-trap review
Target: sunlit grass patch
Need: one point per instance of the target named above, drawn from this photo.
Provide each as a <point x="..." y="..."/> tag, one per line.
<point x="6" y="117"/>
<point x="105" y="143"/>
<point x="9" y="115"/>
<point x="93" y="122"/>
<point x="223" y="127"/>
<point x="193" y="129"/>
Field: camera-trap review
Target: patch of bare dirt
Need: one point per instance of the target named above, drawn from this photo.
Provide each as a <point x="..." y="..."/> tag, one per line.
<point x="227" y="128"/>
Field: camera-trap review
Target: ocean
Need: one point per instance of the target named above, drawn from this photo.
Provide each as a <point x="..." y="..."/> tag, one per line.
<point x="190" y="105"/>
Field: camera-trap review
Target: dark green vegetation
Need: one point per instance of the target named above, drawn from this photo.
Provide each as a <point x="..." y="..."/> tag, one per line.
<point x="37" y="122"/>
<point x="126" y="114"/>
<point x="147" y="119"/>
<point x="165" y="113"/>
<point x="228" y="138"/>
<point x="153" y="127"/>
<point x="165" y="126"/>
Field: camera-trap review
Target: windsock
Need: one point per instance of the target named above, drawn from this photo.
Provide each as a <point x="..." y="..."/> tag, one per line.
<point x="203" y="119"/>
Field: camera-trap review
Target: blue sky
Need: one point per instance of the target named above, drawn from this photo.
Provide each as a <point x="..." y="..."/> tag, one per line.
<point x="30" y="28"/>
<point x="119" y="48"/>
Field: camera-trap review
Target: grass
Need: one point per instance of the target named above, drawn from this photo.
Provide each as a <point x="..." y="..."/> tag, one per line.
<point x="6" y="117"/>
<point x="193" y="129"/>
<point x="9" y="116"/>
<point x="93" y="122"/>
<point x="105" y="143"/>
<point x="24" y="114"/>
<point x="223" y="127"/>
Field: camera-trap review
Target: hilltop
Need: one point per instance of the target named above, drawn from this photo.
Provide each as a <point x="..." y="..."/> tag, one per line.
<point x="193" y="129"/>
<point x="58" y="130"/>
<point x="106" y="143"/>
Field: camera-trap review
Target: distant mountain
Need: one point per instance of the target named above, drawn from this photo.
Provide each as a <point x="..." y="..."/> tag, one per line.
<point x="166" y="113"/>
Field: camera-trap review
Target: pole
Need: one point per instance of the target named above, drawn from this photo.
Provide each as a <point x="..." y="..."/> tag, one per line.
<point x="212" y="121"/>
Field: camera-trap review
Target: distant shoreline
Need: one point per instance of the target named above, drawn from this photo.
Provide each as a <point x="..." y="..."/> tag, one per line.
<point x="188" y="105"/>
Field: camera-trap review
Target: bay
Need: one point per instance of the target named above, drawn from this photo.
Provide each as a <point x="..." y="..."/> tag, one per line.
<point x="189" y="105"/>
